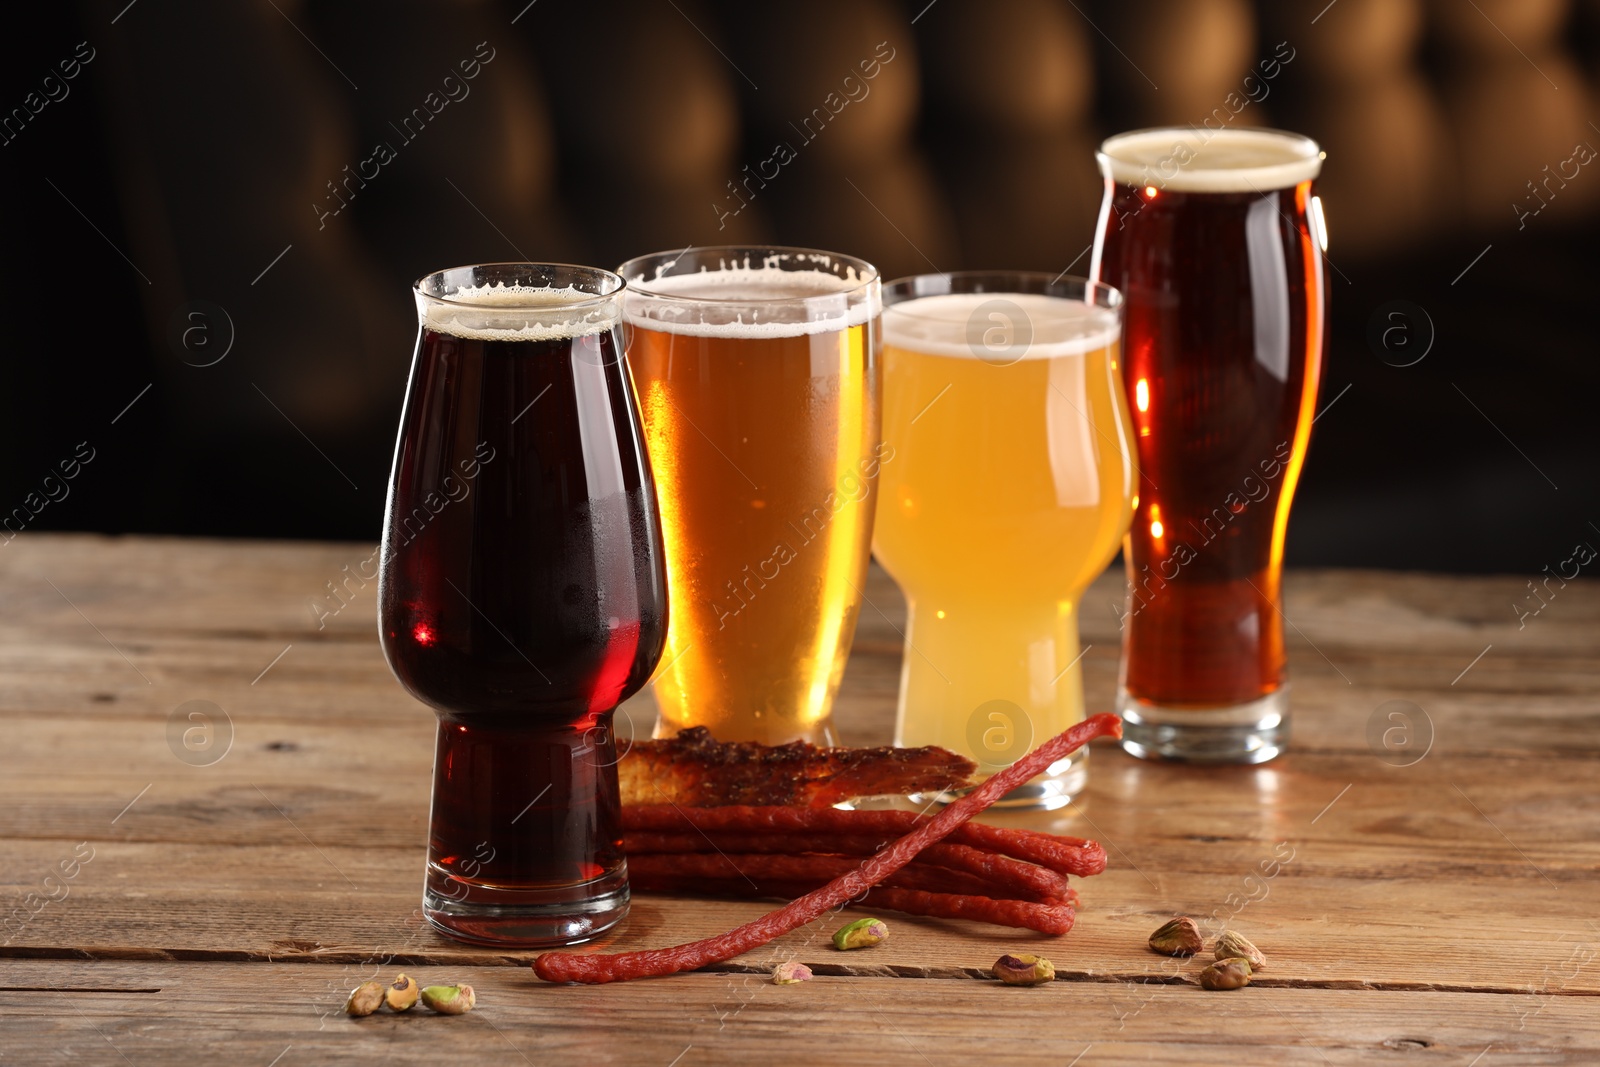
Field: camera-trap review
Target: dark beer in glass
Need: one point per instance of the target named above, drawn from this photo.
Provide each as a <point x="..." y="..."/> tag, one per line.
<point x="1216" y="240"/>
<point x="523" y="593"/>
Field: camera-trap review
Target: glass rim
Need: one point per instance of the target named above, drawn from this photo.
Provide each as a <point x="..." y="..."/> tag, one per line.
<point x="869" y="274"/>
<point x="1301" y="160"/>
<point x="576" y="303"/>
<point x="902" y="290"/>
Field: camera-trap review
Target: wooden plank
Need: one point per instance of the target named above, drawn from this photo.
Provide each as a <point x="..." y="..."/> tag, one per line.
<point x="201" y="620"/>
<point x="289" y="1014"/>
<point x="1444" y="904"/>
<point x="1387" y="927"/>
<point x="366" y="784"/>
<point x="264" y="587"/>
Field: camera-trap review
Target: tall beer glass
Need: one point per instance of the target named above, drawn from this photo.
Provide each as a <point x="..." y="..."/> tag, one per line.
<point x="1006" y="487"/>
<point x="522" y="593"/>
<point x="757" y="372"/>
<point x="1216" y="240"/>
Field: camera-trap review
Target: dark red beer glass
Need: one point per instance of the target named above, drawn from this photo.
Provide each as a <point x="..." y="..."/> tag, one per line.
<point x="522" y="593"/>
<point x="1216" y="240"/>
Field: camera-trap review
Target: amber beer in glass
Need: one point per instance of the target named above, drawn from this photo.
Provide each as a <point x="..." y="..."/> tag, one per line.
<point x="757" y="373"/>
<point x="1006" y="488"/>
<point x="1216" y="239"/>
<point x="522" y="593"/>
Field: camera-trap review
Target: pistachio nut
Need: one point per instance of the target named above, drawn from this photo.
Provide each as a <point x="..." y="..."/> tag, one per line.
<point x="365" y="999"/>
<point x="1180" y="937"/>
<point x="401" y="994"/>
<point x="1231" y="945"/>
<point x="790" y="973"/>
<point x="863" y="933"/>
<point x="1231" y="973"/>
<point x="1023" y="970"/>
<point x="449" y="999"/>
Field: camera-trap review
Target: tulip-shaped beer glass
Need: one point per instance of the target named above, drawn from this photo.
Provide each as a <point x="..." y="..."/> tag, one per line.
<point x="523" y="594"/>
<point x="1005" y="488"/>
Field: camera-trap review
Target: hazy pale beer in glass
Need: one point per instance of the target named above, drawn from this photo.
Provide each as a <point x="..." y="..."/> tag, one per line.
<point x="1006" y="487"/>
<point x="757" y="373"/>
<point x="1216" y="239"/>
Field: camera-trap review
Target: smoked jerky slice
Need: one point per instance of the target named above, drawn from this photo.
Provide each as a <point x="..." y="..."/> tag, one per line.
<point x="695" y="770"/>
<point x="599" y="968"/>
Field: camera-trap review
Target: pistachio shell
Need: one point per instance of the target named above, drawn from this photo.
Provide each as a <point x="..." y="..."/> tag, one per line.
<point x="1179" y="937"/>
<point x="1231" y="973"/>
<point x="1231" y="945"/>
<point x="365" y="999"/>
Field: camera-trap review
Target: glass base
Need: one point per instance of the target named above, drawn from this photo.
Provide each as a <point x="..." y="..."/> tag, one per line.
<point x="1244" y="733"/>
<point x="523" y="918"/>
<point x="1056" y="788"/>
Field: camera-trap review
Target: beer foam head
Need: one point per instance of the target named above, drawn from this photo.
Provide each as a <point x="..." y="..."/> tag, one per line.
<point x="751" y="301"/>
<point x="1202" y="160"/>
<point x="499" y="312"/>
<point x="999" y="326"/>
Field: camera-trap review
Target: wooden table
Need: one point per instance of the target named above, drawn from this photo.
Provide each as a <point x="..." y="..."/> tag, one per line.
<point x="1432" y="901"/>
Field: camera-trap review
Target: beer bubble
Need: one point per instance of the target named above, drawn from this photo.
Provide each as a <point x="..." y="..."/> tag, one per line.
<point x="999" y="733"/>
<point x="199" y="733"/>
<point x="1400" y="333"/>
<point x="1399" y="732"/>
<point x="200" y="333"/>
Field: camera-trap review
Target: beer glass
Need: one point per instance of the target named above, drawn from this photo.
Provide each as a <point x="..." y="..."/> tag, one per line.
<point x="1216" y="240"/>
<point x="1005" y="488"/>
<point x="522" y="593"/>
<point x="757" y="371"/>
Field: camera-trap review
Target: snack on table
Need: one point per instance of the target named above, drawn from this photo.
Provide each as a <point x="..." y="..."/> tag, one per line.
<point x="1066" y="855"/>
<point x="824" y="859"/>
<point x="1008" y="877"/>
<point x="1177" y="937"/>
<point x="695" y="770"/>
<point x="599" y="968"/>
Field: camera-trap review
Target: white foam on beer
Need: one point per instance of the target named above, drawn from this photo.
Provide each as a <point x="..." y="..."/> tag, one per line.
<point x="959" y="324"/>
<point x="748" y="302"/>
<point x="1203" y="160"/>
<point x="500" y="312"/>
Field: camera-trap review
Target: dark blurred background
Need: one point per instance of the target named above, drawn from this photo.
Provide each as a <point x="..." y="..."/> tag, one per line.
<point x="208" y="254"/>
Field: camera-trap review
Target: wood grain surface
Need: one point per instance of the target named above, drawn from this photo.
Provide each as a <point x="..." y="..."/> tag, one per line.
<point x="1433" y="898"/>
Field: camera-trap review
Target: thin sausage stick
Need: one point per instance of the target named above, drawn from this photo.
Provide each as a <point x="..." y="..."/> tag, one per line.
<point x="1052" y="918"/>
<point x="595" y="969"/>
<point x="1066" y="855"/>
<point x="1007" y="877"/>
<point x="810" y="870"/>
<point x="650" y="879"/>
<point x="1055" y="917"/>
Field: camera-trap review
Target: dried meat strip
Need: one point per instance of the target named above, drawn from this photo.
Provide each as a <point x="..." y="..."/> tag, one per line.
<point x="1067" y="855"/>
<point x="1011" y="877"/>
<point x="599" y="968"/>
<point x="696" y="770"/>
<point x="1046" y="918"/>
